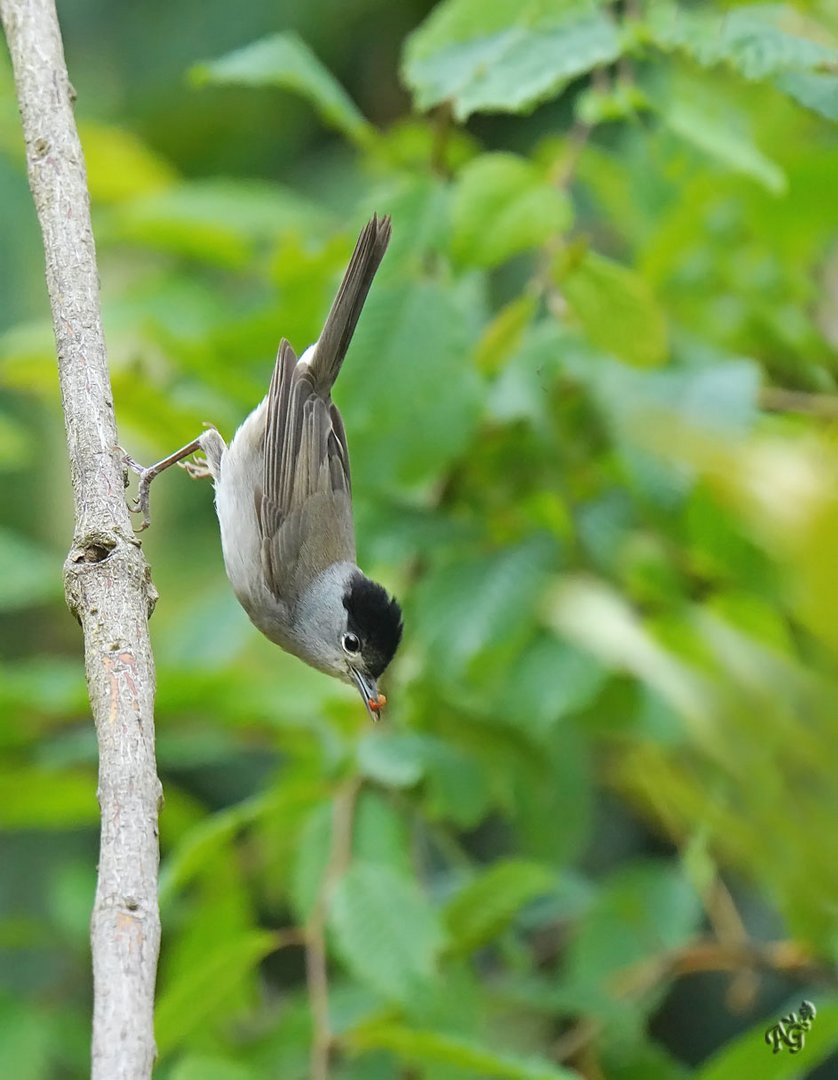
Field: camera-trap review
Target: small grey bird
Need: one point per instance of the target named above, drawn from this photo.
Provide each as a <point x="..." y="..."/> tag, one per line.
<point x="283" y="497"/>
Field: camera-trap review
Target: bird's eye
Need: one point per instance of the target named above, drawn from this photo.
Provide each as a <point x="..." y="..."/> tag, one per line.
<point x="351" y="643"/>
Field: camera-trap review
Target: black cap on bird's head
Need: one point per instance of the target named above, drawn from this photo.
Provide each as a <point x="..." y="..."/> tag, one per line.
<point x="375" y="619"/>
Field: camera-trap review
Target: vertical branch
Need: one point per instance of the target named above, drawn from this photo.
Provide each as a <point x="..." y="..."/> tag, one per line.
<point x="106" y="578"/>
<point x="340" y="853"/>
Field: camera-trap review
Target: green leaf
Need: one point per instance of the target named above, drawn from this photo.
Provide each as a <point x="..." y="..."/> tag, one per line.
<point x="119" y="165"/>
<point x="457" y="785"/>
<point x="474" y="615"/>
<point x="284" y="60"/>
<point x="647" y="1061"/>
<point x="716" y="133"/>
<point x="552" y="680"/>
<point x="485" y="907"/>
<point x="617" y="309"/>
<point x="505" y="57"/>
<point x="414" y="335"/>
<point x="595" y="617"/>
<point x="17" y="443"/>
<point x="748" y="1054"/>
<point x="43" y="684"/>
<point x="391" y="758"/>
<point x="380" y="834"/>
<point x="29" y="573"/>
<point x="642" y="911"/>
<point x="757" y="40"/>
<point x="385" y="930"/>
<point x="220" y="221"/>
<point x="312" y="857"/>
<point x="27" y="1036"/>
<point x="206" y="838"/>
<point x="503" y="204"/>
<point x="433" y="1048"/>
<point x="202" y="989"/>
<point x="818" y="92"/>
<point x="32" y="798"/>
<point x="202" y="1067"/>
<point x="504" y="334"/>
<point x="559" y="788"/>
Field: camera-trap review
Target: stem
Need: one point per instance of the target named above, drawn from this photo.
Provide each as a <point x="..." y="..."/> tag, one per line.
<point x="106" y="579"/>
<point x="777" y="399"/>
<point x="340" y="853"/>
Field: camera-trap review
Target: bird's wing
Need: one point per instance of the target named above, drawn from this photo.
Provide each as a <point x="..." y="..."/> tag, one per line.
<point x="305" y="508"/>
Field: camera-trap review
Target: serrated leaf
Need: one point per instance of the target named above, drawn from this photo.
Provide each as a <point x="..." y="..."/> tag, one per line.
<point x="757" y="40"/>
<point x="504" y="57"/>
<point x="503" y="204"/>
<point x="202" y="989"/>
<point x="485" y="906"/>
<point x="385" y="930"/>
<point x="617" y="309"/>
<point x="435" y="1048"/>
<point x="284" y="60"/>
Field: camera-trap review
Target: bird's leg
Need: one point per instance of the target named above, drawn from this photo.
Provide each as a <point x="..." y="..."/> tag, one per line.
<point x="147" y="475"/>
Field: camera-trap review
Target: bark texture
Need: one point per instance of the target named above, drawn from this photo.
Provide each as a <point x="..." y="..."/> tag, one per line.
<point x="107" y="583"/>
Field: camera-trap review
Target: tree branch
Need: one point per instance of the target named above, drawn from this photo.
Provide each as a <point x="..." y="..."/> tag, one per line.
<point x="340" y="854"/>
<point x="107" y="583"/>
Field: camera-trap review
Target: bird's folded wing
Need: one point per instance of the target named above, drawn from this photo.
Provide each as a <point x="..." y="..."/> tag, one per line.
<point x="305" y="512"/>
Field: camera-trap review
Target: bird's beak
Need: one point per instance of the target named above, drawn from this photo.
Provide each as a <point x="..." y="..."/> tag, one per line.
<point x="368" y="690"/>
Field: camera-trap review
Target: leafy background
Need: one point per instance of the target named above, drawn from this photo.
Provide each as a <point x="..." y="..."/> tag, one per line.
<point x="591" y="407"/>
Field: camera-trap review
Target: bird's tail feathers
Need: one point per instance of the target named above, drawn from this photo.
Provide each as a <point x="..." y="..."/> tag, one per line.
<point x="343" y="318"/>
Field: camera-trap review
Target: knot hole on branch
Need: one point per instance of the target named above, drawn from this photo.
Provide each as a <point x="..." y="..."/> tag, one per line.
<point x="40" y="147"/>
<point x="94" y="551"/>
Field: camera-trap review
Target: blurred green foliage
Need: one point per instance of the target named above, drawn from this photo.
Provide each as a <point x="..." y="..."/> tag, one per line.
<point x="591" y="409"/>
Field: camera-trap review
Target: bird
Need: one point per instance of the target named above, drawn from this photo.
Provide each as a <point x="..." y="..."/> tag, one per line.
<point x="283" y="497"/>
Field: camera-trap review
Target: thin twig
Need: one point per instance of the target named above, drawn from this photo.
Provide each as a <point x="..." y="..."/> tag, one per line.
<point x="731" y="932"/>
<point x="786" y="957"/>
<point x="340" y="853"/>
<point x="106" y="578"/>
<point x="777" y="399"/>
